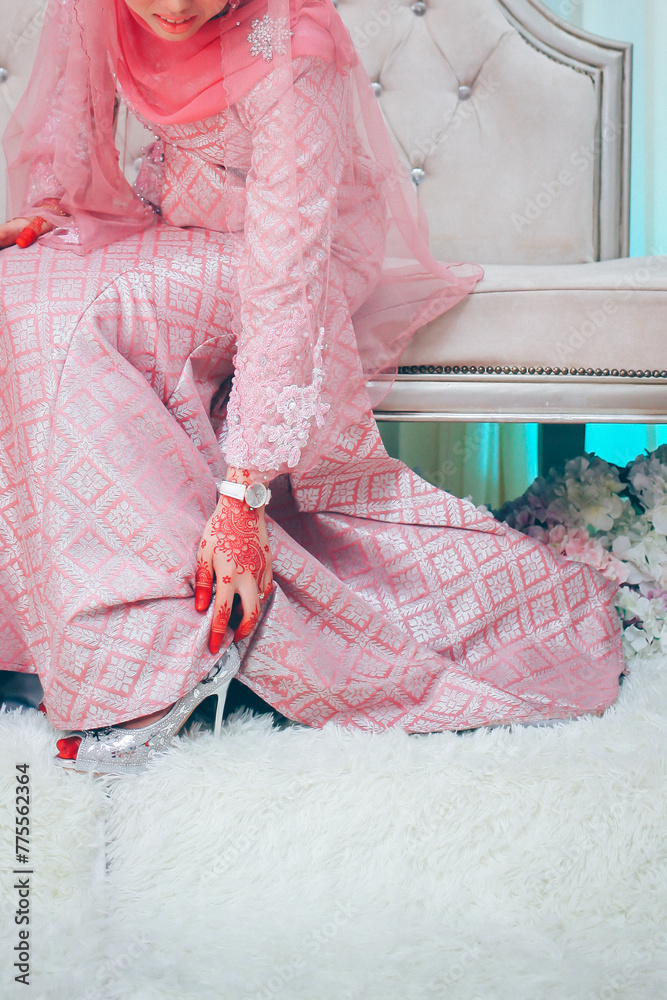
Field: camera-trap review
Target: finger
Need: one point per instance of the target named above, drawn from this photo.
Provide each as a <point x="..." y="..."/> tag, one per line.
<point x="204" y="576"/>
<point x="251" y="611"/>
<point x="11" y="230"/>
<point x="221" y="613"/>
<point x="35" y="228"/>
<point x="264" y="584"/>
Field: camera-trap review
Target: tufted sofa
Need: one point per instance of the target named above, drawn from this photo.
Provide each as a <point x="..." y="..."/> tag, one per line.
<point x="516" y="131"/>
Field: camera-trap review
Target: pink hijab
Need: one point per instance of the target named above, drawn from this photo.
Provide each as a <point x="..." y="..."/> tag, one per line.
<point x="60" y="142"/>
<point x="188" y="81"/>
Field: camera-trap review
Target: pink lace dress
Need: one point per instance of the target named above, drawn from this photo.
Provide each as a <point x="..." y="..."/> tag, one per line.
<point x="396" y="603"/>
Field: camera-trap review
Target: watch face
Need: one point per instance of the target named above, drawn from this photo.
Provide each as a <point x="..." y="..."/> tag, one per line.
<point x="255" y="495"/>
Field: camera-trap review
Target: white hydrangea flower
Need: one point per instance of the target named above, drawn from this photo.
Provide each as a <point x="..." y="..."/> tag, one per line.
<point x="649" y="622"/>
<point x="580" y="514"/>
<point x="586" y="495"/>
<point x="648" y="478"/>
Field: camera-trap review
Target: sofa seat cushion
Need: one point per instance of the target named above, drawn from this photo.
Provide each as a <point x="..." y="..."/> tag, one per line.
<point x="609" y="316"/>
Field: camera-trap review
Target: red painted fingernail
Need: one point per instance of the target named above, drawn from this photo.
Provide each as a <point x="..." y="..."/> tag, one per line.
<point x="31" y="232"/>
<point x="26" y="238"/>
<point x="41" y="708"/>
<point x="215" y="642"/>
<point x="202" y="598"/>
<point x="69" y="747"/>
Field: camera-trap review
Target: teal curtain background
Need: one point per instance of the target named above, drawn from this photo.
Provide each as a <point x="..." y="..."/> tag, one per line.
<point x="495" y="462"/>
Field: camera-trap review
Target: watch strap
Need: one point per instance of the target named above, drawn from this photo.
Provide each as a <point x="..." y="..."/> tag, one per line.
<point x="229" y="489"/>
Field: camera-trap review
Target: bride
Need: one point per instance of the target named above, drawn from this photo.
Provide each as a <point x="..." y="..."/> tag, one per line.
<point x="174" y="357"/>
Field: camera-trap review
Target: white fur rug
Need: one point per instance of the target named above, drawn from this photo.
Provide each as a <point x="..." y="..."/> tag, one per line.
<point x="334" y="865"/>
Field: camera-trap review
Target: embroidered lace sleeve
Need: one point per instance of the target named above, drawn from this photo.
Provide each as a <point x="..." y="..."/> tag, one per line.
<point x="276" y="399"/>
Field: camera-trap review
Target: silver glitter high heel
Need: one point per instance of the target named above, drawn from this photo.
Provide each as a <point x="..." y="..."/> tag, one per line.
<point x="113" y="750"/>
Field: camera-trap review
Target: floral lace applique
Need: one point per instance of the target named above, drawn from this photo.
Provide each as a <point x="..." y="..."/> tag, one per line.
<point x="298" y="406"/>
<point x="269" y="35"/>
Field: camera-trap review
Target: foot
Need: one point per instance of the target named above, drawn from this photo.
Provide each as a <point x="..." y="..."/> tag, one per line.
<point x="145" y="720"/>
<point x="69" y="746"/>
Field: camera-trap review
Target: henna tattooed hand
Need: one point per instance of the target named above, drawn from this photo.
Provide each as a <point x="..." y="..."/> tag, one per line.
<point x="234" y="547"/>
<point x="23" y="232"/>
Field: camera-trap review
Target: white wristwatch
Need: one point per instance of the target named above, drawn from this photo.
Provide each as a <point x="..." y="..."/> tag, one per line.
<point x="256" y="495"/>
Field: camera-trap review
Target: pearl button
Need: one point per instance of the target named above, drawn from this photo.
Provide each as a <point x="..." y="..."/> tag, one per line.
<point x="417" y="175"/>
<point x="418" y="8"/>
<point x="377" y="87"/>
<point x="4" y="74"/>
<point x="137" y="164"/>
<point x="464" y="92"/>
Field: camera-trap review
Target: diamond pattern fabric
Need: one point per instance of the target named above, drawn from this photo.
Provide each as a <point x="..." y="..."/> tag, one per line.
<point x="396" y="603"/>
<point x="342" y="218"/>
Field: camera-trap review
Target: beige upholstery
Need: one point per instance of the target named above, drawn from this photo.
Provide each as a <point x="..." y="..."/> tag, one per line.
<point x="611" y="315"/>
<point x="572" y="343"/>
<point x="487" y="157"/>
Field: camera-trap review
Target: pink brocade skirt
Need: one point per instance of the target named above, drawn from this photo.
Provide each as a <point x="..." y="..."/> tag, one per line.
<point x="396" y="603"/>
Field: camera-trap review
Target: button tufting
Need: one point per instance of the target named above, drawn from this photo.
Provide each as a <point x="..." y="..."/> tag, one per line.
<point x="4" y="74"/>
<point x="377" y="87"/>
<point x="417" y="175"/>
<point x="418" y="7"/>
<point x="464" y="92"/>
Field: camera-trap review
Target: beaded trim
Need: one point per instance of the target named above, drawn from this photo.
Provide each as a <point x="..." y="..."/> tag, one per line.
<point x="515" y="370"/>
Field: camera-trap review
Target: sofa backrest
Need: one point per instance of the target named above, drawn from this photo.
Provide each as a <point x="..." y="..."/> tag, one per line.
<point x="514" y="126"/>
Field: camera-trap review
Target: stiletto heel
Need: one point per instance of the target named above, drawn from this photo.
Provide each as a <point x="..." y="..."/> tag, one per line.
<point x="118" y="751"/>
<point x="220" y="709"/>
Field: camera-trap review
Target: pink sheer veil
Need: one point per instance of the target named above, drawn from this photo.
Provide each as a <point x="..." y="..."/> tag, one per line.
<point x="60" y="143"/>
